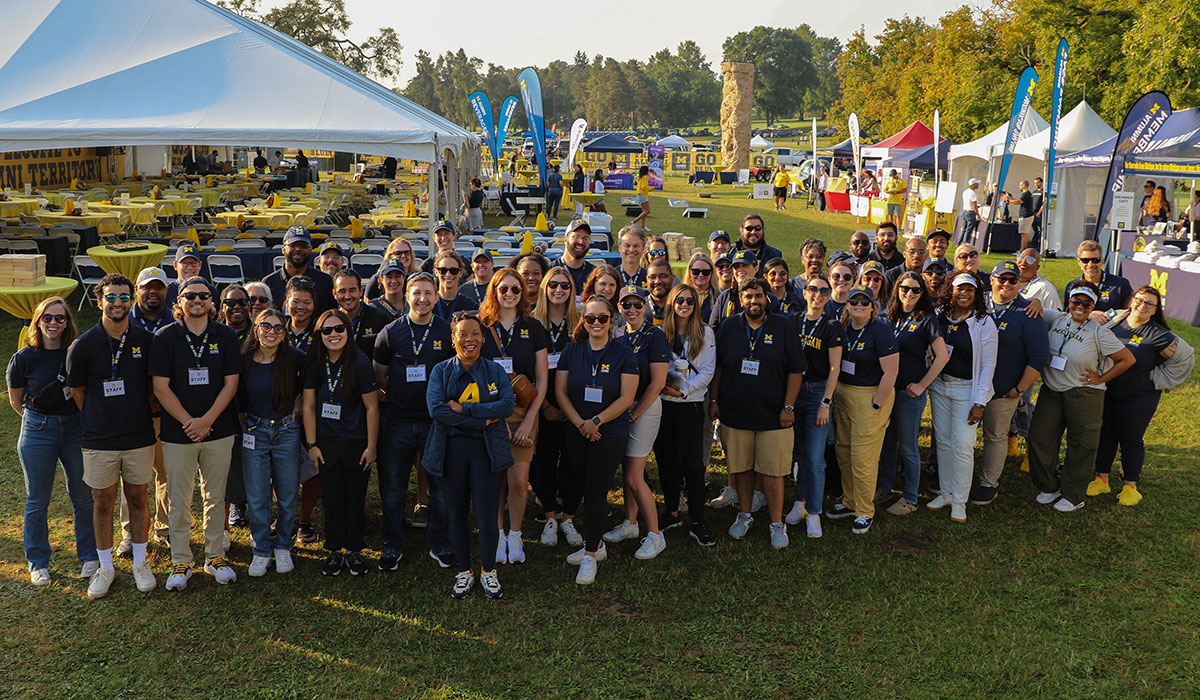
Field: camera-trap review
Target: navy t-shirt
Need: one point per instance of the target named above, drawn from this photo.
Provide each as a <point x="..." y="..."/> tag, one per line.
<point x="958" y="342"/>
<point x="1023" y="342"/>
<point x="817" y="337"/>
<point x="579" y="275"/>
<point x="366" y="325"/>
<point x="649" y="343"/>
<point x="753" y="399"/>
<point x="256" y="391"/>
<point x="1114" y="292"/>
<point x="404" y="344"/>
<point x="864" y="348"/>
<point x="445" y="310"/>
<point x="913" y="338"/>
<point x="175" y="353"/>
<point x="1146" y="342"/>
<point x="521" y="343"/>
<point x="352" y="423"/>
<point x="31" y="370"/>
<point x="322" y="297"/>
<point x="611" y="363"/>
<point x="557" y="338"/>
<point x="117" y="422"/>
<point x="791" y="303"/>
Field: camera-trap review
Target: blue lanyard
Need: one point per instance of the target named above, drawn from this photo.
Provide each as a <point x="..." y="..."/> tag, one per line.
<point x="899" y="326"/>
<point x="198" y="353"/>
<point x="635" y="341"/>
<point x="505" y="337"/>
<point x="592" y="361"/>
<point x="806" y="332"/>
<point x="752" y="337"/>
<point x="453" y="306"/>
<point x="634" y="280"/>
<point x="859" y="336"/>
<point x="333" y="381"/>
<point x="413" y="337"/>
<point x="1003" y="310"/>
<point x="559" y="331"/>
<point x="301" y="340"/>
<point x="116" y="356"/>
<point x="1067" y="335"/>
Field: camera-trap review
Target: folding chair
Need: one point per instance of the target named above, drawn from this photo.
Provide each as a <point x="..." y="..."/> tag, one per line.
<point x="366" y="264"/>
<point x="89" y="274"/>
<point x="221" y="269"/>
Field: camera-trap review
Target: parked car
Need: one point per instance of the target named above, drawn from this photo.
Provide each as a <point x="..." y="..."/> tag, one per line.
<point x="785" y="156"/>
<point x="827" y="131"/>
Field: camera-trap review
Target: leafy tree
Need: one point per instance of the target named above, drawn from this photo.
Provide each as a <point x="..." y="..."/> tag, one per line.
<point x="422" y="87"/>
<point x="783" y="67"/>
<point x="685" y="85"/>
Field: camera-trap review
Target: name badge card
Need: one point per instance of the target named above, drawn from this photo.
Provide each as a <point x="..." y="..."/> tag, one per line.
<point x="247" y="441"/>
<point x="332" y="411"/>
<point x="552" y="360"/>
<point x="197" y="376"/>
<point x="414" y="373"/>
<point x="505" y="364"/>
<point x="847" y="366"/>
<point x="1058" y="362"/>
<point x="114" y="387"/>
<point x="593" y="394"/>
<point x="750" y="367"/>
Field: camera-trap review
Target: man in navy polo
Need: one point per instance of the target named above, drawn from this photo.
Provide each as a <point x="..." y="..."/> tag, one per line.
<point x="753" y="238"/>
<point x="1115" y="290"/>
<point x="575" y="248"/>
<point x="297" y="260"/>
<point x="187" y="265"/>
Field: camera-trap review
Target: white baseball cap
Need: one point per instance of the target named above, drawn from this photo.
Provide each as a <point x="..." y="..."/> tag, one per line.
<point x="972" y="181"/>
<point x="151" y="273"/>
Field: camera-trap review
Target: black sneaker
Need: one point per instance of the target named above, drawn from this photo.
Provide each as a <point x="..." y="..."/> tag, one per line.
<point x="861" y="525"/>
<point x="237" y="515"/>
<point x="305" y="532"/>
<point x="701" y="534"/>
<point x="983" y="495"/>
<point x="333" y="564"/>
<point x="420" y="516"/>
<point x="838" y="512"/>
<point x="666" y="521"/>
<point x="390" y="561"/>
<point x="443" y="560"/>
<point x="354" y="562"/>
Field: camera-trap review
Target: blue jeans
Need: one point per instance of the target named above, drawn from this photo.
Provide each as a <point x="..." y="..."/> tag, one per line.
<point x="900" y="440"/>
<point x="810" y="446"/>
<point x="44" y="442"/>
<point x="271" y="472"/>
<point x="400" y="443"/>
<point x="553" y="199"/>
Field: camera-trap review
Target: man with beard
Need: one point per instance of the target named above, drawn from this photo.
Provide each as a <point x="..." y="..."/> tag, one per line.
<point x="365" y="321"/>
<point x="753" y="239"/>
<point x="939" y="243"/>
<point x="187" y="265"/>
<point x="108" y="372"/>
<point x="660" y="278"/>
<point x="728" y="302"/>
<point x="148" y="313"/>
<point x="1115" y="290"/>
<point x="915" y="251"/>
<point x="331" y="258"/>
<point x="575" y="248"/>
<point x="1033" y="285"/>
<point x="297" y="260"/>
<point x="760" y="365"/>
<point x="860" y="247"/>
<point x="933" y="273"/>
<point x="885" y="246"/>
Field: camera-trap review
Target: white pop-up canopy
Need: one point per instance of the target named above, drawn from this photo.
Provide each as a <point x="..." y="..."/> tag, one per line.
<point x="80" y="73"/>
<point x="759" y="142"/>
<point x="971" y="159"/>
<point x="674" y="141"/>
<point x="1077" y="130"/>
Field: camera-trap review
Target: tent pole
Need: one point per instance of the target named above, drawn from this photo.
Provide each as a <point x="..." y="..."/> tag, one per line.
<point x="1192" y="212"/>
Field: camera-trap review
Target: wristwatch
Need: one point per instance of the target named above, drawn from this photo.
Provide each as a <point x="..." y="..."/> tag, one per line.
<point x="875" y="406"/>
<point x="597" y="421"/>
<point x="789" y="409"/>
<point x="979" y="406"/>
<point x="826" y="402"/>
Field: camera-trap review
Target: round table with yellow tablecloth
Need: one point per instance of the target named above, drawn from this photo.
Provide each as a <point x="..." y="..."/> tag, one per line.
<point x="128" y="262"/>
<point x="21" y="301"/>
<point x="587" y="199"/>
<point x="175" y="206"/>
<point x="104" y="223"/>
<point x="12" y="208"/>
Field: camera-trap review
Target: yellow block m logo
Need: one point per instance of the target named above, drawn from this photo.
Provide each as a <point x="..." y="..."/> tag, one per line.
<point x="1158" y="280"/>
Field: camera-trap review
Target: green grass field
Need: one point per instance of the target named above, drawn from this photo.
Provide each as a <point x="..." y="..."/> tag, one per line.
<point x="1018" y="602"/>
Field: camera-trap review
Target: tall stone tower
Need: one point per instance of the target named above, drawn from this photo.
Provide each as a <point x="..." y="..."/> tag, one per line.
<point x="737" y="96"/>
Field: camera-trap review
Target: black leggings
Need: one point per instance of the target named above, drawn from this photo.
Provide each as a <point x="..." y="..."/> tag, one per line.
<point x="344" y="493"/>
<point x="594" y="465"/>
<point x="549" y="473"/>
<point x="1125" y="421"/>
<point x="677" y="449"/>
<point x="467" y="473"/>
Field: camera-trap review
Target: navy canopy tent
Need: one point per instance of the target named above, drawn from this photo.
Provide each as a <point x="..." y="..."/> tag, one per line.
<point x="611" y="144"/>
<point x="920" y="158"/>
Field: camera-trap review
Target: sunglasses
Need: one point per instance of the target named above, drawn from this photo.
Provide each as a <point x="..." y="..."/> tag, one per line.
<point x="449" y="270"/>
<point x="858" y="301"/>
<point x="909" y="289"/>
<point x="627" y="305"/>
<point x="330" y="330"/>
<point x="1028" y="260"/>
<point x="268" y="327"/>
<point x="193" y="296"/>
<point x="1082" y="301"/>
<point x="819" y="291"/>
<point x="847" y="277"/>
<point x="686" y="301"/>
<point x="592" y="319"/>
<point x="700" y="271"/>
<point x="965" y="256"/>
<point x="505" y="289"/>
<point x="1007" y="279"/>
<point x="403" y="253"/>
<point x="259" y="300"/>
<point x="237" y="302"/>
<point x="56" y="318"/>
<point x="752" y="228"/>
<point x="726" y="267"/>
<point x="558" y="285"/>
<point x="778" y="271"/>
<point x="1089" y="261"/>
<point x="862" y="241"/>
<point x="110" y="298"/>
<point x="657" y="253"/>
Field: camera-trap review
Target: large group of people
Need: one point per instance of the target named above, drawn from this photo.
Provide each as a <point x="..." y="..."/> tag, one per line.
<point x="486" y="380"/>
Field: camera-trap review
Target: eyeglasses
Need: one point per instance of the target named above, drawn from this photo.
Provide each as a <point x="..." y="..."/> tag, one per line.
<point x="558" y="285"/>
<point x="110" y="298"/>
<point x="860" y="241"/>
<point x="752" y="228"/>
<point x="844" y="277"/>
<point x="592" y="319"/>
<point x="657" y="253"/>
<point x="1007" y="279"/>
<point x="259" y="300"/>
<point x="966" y="256"/>
<point x="1089" y="261"/>
<point x="449" y="270"/>
<point x="193" y="296"/>
<point x="56" y="318"/>
<point x="1136" y="302"/>
<point x="686" y="301"/>
<point x="505" y="289"/>
<point x="237" y="302"/>
<point x="330" y="330"/>
<point x="1082" y="301"/>
<point x="627" y="305"/>
<point x="700" y="271"/>
<point x="819" y="291"/>
<point x="909" y="289"/>
<point x="858" y="301"/>
<point x="268" y="327"/>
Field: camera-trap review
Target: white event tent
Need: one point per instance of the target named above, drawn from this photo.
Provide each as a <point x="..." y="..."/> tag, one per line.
<point x="971" y="159"/>
<point x="674" y="141"/>
<point x="759" y="142"/>
<point x="80" y="73"/>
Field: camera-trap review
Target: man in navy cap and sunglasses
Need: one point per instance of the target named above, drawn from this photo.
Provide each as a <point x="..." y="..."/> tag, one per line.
<point x="297" y="261"/>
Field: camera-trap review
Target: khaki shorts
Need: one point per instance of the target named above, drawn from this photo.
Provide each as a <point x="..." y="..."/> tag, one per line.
<point x="519" y="453"/>
<point x="768" y="452"/>
<point x="104" y="468"/>
<point x="1025" y="225"/>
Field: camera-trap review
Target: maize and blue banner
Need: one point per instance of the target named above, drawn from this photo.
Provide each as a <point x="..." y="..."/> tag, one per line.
<point x="1143" y="121"/>
<point x="483" y="112"/>
<point x="1060" y="80"/>
<point x="507" y="110"/>
<point x="531" y="95"/>
<point x="1016" y="122"/>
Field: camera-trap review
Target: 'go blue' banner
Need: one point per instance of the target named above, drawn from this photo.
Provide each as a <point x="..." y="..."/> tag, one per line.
<point x="483" y="112"/>
<point x="531" y="95"/>
<point x="507" y="110"/>
<point x="1143" y="121"/>
<point x="1060" y="80"/>
<point x="1016" y="122"/>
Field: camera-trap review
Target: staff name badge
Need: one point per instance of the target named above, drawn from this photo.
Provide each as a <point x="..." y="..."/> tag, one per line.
<point x="114" y="387"/>
<point x="593" y="394"/>
<point x="197" y="376"/>
<point x="750" y="367"/>
<point x="505" y="364"/>
<point x="847" y="366"/>
<point x="552" y="360"/>
<point x="332" y="411"/>
<point x="67" y="393"/>
<point x="1058" y="362"/>
<point x="248" y="441"/>
<point x="414" y="373"/>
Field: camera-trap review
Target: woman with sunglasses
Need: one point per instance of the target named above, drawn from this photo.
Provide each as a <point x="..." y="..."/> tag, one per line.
<point x="517" y="342"/>
<point x="1084" y="357"/>
<point x="841" y="279"/>
<point x="962" y="389"/>
<point x="604" y="281"/>
<point x="914" y="323"/>
<point x="863" y="405"/>
<point x="532" y="267"/>
<point x="699" y="276"/>
<point x="724" y="272"/>
<point x="823" y="340"/>
<point x="341" y="428"/>
<point x="268" y="401"/>
<point x="1132" y="398"/>
<point x="449" y="267"/>
<point x="469" y="398"/>
<point x="50" y="434"/>
<point x="872" y="274"/>
<point x="649" y="345"/>
<point x="392" y="302"/>
<point x="557" y="313"/>
<point x="787" y="298"/>
<point x="235" y="310"/>
<point x="260" y="298"/>
<point x="631" y="244"/>
<point x="596" y="384"/>
<point x="399" y="249"/>
<point x="684" y="419"/>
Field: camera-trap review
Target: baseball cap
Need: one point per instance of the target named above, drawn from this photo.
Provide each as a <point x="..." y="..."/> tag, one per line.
<point x="871" y="266"/>
<point x="861" y="290"/>
<point x="296" y="234"/>
<point x="726" y="258"/>
<point x="972" y="181"/>
<point x="391" y="265"/>
<point x="150" y="274"/>
<point x="1006" y="267"/>
<point x="331" y="245"/>
<point x="443" y="225"/>
<point x="579" y="225"/>
<point x="744" y="257"/>
<point x="718" y="234"/>
<point x="630" y="290"/>
<point x="933" y="262"/>
<point x="966" y="279"/>
<point x="838" y="257"/>
<point x="484" y="253"/>
<point x="1085" y="291"/>
<point x="937" y="233"/>
<point x="187" y="250"/>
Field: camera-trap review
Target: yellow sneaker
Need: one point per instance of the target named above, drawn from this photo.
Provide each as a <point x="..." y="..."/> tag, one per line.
<point x="1025" y="463"/>
<point x="1013" y="449"/>
<point x="1098" y="487"/>
<point x="1129" y="496"/>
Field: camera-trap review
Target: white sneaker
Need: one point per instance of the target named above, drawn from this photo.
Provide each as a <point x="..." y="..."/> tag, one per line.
<point x="143" y="578"/>
<point x="283" y="561"/>
<point x="502" y="548"/>
<point x="779" y="535"/>
<point x="124" y="548"/>
<point x="516" y="548"/>
<point x="89" y="568"/>
<point x="178" y="580"/>
<point x="567" y="526"/>
<point x="221" y="570"/>
<point x="574" y="558"/>
<point x="652" y="545"/>
<point x="796" y="514"/>
<point x="39" y="577"/>
<point x="1062" y="505"/>
<point x="727" y="497"/>
<point x="939" y="503"/>
<point x="758" y="502"/>
<point x="683" y="506"/>
<point x="813" y="522"/>
<point x="958" y="512"/>
<point x="625" y="531"/>
<point x="101" y="580"/>
<point x="225" y="541"/>
<point x="1046" y="497"/>
<point x="550" y="533"/>
<point x="587" y="571"/>
<point x="258" y="566"/>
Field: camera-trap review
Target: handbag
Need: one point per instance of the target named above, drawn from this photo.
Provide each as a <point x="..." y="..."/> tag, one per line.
<point x="53" y="397"/>
<point x="523" y="389"/>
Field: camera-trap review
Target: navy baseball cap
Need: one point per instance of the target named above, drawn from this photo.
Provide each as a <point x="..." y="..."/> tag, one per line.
<point x="718" y="234"/>
<point x="838" y="257"/>
<point x="1006" y="267"/>
<point x="332" y="245"/>
<point x="630" y="290"/>
<point x="936" y="233"/>
<point x="187" y="250"/>
<point x="579" y="225"/>
<point x="726" y="258"/>
<point x="296" y="234"/>
<point x="933" y="262"/>
<point x="483" y="253"/>
<point x="744" y="257"/>
<point x="443" y="225"/>
<point x="391" y="265"/>
<point x="861" y="290"/>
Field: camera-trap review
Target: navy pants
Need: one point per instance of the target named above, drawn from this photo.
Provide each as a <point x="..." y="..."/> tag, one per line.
<point x="467" y="473"/>
<point x="1125" y="421"/>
